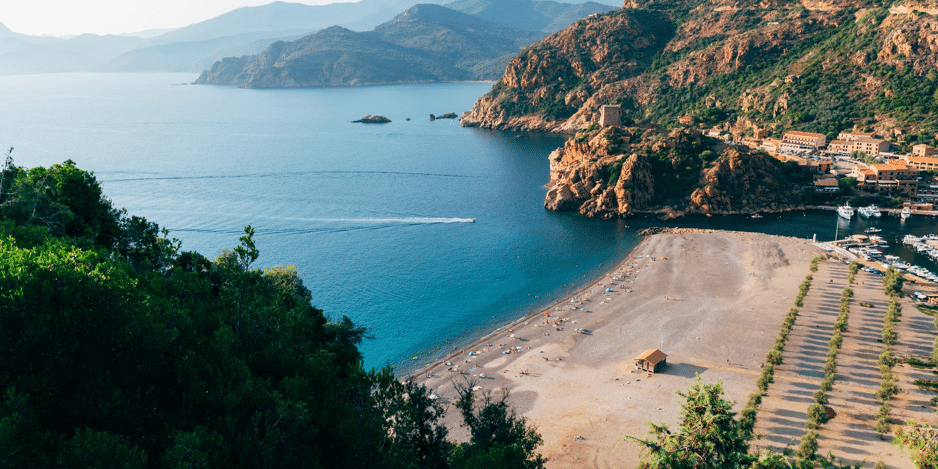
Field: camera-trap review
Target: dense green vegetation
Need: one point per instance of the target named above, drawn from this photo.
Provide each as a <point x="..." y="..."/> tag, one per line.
<point x="677" y="170"/>
<point x="122" y="350"/>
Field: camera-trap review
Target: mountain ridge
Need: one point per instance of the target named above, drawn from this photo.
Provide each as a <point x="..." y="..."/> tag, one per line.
<point x="426" y="43"/>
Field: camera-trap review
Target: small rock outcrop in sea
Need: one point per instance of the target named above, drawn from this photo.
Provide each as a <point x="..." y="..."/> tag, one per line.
<point x="616" y="172"/>
<point x="448" y="115"/>
<point x="372" y="120"/>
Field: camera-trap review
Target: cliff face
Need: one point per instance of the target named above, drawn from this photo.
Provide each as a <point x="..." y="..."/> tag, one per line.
<point x="615" y="173"/>
<point x="821" y="66"/>
<point x="743" y="181"/>
<point x="561" y="73"/>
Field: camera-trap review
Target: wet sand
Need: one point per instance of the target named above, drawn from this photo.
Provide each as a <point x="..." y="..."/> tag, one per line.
<point x="712" y="301"/>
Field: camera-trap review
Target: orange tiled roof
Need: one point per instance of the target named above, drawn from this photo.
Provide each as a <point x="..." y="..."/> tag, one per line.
<point x="921" y="159"/>
<point x="652" y="355"/>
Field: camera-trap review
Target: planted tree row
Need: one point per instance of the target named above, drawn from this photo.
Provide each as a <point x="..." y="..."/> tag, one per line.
<point x="774" y="357"/>
<point x="817" y="413"/>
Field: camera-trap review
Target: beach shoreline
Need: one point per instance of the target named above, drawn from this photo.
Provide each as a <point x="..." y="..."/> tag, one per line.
<point x="712" y="300"/>
<point x="422" y="370"/>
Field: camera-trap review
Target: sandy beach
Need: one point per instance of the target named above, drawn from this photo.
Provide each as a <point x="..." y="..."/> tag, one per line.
<point x="712" y="301"/>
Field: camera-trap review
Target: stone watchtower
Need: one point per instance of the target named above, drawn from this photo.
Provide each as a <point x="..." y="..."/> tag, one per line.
<point x="610" y="116"/>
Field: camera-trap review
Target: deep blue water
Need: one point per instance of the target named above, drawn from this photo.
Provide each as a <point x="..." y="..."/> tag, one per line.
<point x="373" y="216"/>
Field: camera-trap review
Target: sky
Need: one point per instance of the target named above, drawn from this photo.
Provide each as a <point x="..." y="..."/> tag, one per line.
<point x="72" y="17"/>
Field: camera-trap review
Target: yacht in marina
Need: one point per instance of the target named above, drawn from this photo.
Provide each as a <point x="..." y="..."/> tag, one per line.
<point x="845" y="211"/>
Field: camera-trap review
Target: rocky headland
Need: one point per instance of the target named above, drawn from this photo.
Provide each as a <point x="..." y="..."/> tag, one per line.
<point x="617" y="172"/>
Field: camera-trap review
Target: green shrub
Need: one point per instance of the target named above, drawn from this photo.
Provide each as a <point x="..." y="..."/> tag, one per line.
<point x="765" y="378"/>
<point x="887" y="387"/>
<point x="854" y="268"/>
<point x="808" y="448"/>
<point x="882" y="418"/>
<point x="889" y="334"/>
<point x="816" y="416"/>
<point x="815" y="261"/>
<point x="886" y="359"/>
<point x="774" y="357"/>
<point x="820" y="397"/>
<point x="827" y="383"/>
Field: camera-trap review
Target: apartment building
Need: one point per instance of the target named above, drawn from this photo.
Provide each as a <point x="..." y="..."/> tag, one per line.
<point x="868" y="145"/>
<point x="802" y="141"/>
<point x="893" y="177"/>
<point x="921" y="163"/>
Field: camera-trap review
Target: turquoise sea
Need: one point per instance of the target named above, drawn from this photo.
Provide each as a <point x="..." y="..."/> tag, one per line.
<point x="378" y="218"/>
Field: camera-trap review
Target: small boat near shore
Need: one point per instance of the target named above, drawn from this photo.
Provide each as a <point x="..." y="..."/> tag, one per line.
<point x="906" y="213"/>
<point x="864" y="212"/>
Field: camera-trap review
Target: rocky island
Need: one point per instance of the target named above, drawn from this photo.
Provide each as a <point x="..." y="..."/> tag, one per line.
<point x="369" y="119"/>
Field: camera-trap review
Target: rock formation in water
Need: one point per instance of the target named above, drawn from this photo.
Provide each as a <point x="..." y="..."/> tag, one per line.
<point x="369" y="119"/>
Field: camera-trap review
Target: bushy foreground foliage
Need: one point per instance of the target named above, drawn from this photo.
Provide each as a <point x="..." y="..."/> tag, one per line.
<point x="121" y="350"/>
<point x="708" y="436"/>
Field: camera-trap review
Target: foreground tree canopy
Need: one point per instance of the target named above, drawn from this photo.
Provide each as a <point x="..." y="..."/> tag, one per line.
<point x="121" y="350"/>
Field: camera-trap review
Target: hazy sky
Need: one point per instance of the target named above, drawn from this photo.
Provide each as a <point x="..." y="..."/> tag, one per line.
<point x="69" y="17"/>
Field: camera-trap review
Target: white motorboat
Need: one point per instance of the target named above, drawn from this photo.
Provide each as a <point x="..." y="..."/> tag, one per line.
<point x="864" y="212"/>
<point x="845" y="211"/>
<point x="874" y="210"/>
<point x="905" y="213"/>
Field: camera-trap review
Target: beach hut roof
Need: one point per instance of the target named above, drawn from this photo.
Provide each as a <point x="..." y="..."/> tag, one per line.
<point x="652" y="356"/>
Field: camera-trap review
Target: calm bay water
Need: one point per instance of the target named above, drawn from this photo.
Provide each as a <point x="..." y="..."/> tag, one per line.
<point x="376" y="217"/>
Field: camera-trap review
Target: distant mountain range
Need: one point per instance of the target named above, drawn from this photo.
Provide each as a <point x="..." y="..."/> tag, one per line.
<point x="464" y="40"/>
<point x="194" y="48"/>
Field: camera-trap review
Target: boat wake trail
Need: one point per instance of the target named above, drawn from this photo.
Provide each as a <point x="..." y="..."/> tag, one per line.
<point x="331" y="225"/>
<point x="285" y="175"/>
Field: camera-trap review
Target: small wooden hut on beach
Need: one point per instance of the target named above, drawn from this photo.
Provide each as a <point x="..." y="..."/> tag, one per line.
<point x="651" y="360"/>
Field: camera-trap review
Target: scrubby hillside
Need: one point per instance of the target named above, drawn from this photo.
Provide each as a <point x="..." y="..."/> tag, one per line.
<point x="814" y="66"/>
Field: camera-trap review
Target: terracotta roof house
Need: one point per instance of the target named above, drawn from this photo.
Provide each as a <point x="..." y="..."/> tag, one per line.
<point x="652" y="360"/>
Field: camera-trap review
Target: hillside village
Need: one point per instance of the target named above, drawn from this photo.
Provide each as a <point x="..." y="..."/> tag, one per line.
<point x="860" y="160"/>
